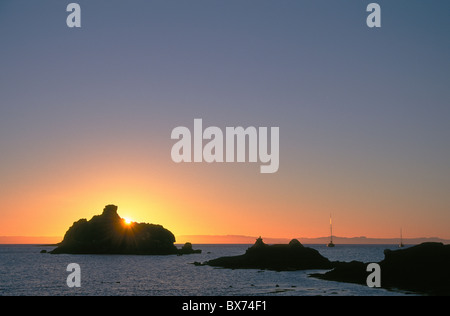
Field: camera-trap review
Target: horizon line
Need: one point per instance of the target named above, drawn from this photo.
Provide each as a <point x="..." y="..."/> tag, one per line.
<point x="231" y="239"/>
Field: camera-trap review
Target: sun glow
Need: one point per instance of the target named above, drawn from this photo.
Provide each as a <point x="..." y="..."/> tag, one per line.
<point x="127" y="221"/>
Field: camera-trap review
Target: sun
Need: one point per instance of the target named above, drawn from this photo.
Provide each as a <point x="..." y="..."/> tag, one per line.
<point x="127" y="221"/>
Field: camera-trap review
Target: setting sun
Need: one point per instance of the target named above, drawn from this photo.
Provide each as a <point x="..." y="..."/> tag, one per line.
<point x="127" y="221"/>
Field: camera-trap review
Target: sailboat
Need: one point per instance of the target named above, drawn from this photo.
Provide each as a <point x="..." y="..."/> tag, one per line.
<point x="330" y="244"/>
<point x="401" y="245"/>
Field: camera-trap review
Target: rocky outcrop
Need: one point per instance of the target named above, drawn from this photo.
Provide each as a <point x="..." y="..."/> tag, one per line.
<point x="424" y="268"/>
<point x="279" y="257"/>
<point x="187" y="249"/>
<point x="108" y="233"/>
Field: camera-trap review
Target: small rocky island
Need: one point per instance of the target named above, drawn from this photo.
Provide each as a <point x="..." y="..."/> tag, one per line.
<point x="108" y="233"/>
<point x="279" y="257"/>
<point x="424" y="268"/>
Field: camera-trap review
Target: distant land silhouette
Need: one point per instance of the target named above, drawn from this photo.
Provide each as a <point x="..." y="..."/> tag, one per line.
<point x="29" y="240"/>
<point x="242" y="239"/>
<point x="108" y="233"/>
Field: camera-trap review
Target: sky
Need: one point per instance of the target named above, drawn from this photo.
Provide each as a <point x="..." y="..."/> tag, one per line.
<point x="86" y="115"/>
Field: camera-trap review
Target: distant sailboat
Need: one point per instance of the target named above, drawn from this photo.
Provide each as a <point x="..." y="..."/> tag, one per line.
<point x="330" y="244"/>
<point x="401" y="245"/>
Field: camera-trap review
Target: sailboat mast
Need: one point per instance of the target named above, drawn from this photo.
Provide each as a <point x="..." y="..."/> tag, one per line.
<point x="330" y="244"/>
<point x="331" y="230"/>
<point x="401" y="239"/>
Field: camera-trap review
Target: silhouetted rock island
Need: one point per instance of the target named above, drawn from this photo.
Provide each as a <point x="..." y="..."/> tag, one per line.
<point x="187" y="249"/>
<point x="423" y="268"/>
<point x="279" y="257"/>
<point x="108" y="233"/>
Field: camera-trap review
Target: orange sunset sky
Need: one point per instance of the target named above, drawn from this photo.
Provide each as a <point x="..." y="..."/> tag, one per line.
<point x="86" y="117"/>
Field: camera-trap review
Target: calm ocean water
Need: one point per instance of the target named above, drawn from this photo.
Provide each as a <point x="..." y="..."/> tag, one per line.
<point x="25" y="271"/>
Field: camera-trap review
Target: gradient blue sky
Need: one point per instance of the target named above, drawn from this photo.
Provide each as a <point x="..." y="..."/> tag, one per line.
<point x="86" y="115"/>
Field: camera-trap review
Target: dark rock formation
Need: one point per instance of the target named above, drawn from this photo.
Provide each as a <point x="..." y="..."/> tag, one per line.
<point x="187" y="249"/>
<point x="350" y="272"/>
<point x="280" y="257"/>
<point x="424" y="268"/>
<point x="109" y="234"/>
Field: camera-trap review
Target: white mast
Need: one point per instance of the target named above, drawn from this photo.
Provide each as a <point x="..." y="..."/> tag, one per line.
<point x="331" y="230"/>
<point x="331" y="234"/>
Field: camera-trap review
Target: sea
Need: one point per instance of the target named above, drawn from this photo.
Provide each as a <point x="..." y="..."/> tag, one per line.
<point x="25" y="271"/>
